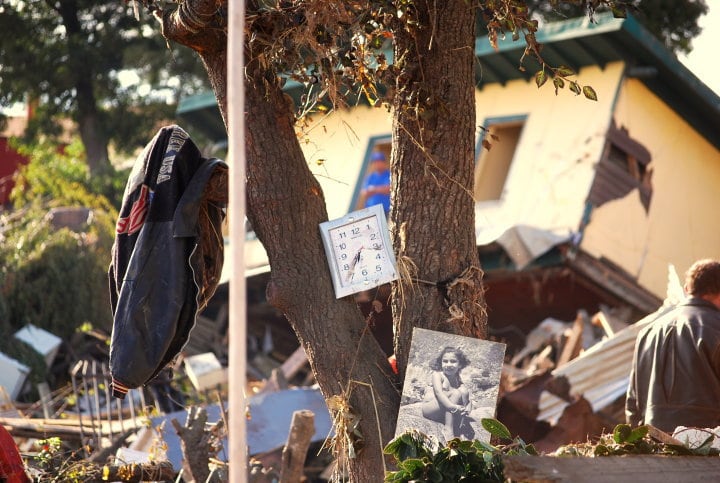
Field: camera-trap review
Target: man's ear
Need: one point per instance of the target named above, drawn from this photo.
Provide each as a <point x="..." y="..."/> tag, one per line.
<point x="716" y="300"/>
<point x="713" y="299"/>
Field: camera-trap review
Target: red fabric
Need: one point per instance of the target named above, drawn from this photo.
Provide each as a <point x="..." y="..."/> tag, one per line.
<point x="12" y="469"/>
<point x="393" y="363"/>
<point x="10" y="161"/>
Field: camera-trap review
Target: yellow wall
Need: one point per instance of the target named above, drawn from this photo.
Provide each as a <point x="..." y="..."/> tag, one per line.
<point x="553" y="166"/>
<point x="682" y="224"/>
<point x="550" y="173"/>
<point x="335" y="147"/>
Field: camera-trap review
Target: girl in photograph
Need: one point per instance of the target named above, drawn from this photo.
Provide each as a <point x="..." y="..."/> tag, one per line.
<point x="448" y="402"/>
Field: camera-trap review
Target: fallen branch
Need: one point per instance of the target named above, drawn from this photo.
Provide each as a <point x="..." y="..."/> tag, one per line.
<point x="195" y="444"/>
<point x="161" y="471"/>
<point x="294" y="453"/>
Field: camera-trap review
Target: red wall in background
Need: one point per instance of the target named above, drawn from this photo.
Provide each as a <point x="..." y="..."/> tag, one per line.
<point x="9" y="162"/>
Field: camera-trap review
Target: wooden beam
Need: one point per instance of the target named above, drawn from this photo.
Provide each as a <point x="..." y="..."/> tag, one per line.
<point x="612" y="469"/>
<point x="294" y="363"/>
<point x="294" y="453"/>
<point x="573" y="343"/>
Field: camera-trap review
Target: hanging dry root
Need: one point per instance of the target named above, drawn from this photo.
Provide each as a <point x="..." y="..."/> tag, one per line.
<point x="466" y="303"/>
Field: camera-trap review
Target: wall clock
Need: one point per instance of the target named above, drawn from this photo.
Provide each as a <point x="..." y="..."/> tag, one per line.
<point x="358" y="251"/>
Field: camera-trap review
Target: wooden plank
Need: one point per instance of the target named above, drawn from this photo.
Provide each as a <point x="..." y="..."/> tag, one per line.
<point x="573" y="343"/>
<point x="294" y="363"/>
<point x="662" y="436"/>
<point x="609" y="324"/>
<point x="65" y="426"/>
<point x="612" y="469"/>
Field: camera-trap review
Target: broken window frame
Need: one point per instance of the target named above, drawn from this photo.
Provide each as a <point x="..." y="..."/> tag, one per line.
<point x="491" y="135"/>
<point x="625" y="164"/>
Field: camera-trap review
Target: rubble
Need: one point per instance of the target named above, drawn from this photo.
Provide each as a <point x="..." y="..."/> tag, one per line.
<point x="153" y="425"/>
<point x="565" y="384"/>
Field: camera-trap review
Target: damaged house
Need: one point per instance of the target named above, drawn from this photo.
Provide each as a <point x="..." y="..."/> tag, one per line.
<point x="581" y="206"/>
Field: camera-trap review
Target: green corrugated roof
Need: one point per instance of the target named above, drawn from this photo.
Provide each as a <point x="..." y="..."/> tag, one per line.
<point x="576" y="43"/>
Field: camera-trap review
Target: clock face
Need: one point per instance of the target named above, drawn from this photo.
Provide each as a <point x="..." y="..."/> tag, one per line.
<point x="359" y="251"/>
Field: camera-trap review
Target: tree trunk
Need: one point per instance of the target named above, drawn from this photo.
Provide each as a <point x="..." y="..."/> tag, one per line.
<point x="90" y="123"/>
<point x="432" y="163"/>
<point x="433" y="216"/>
<point x="91" y="134"/>
<point x="285" y="205"/>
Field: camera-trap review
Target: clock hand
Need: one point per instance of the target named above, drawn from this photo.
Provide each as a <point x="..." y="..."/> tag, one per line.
<point x="353" y="263"/>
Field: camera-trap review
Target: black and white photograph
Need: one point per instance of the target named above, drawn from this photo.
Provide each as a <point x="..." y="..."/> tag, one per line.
<point x="451" y="384"/>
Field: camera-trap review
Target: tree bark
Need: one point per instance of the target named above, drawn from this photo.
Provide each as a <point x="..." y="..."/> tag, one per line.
<point x="294" y="453"/>
<point x="432" y="163"/>
<point x="91" y="132"/>
<point x="285" y="205"/>
<point x="195" y="444"/>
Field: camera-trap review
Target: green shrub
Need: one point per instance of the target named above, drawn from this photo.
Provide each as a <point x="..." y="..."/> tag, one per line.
<point x="53" y="277"/>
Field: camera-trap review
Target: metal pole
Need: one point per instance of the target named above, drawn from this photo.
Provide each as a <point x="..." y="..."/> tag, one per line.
<point x="96" y="438"/>
<point x="73" y="377"/>
<point x="108" y="400"/>
<point x="96" y="391"/>
<point x="131" y="403"/>
<point x="236" y="217"/>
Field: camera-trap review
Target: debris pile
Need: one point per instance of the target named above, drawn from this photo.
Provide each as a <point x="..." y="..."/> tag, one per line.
<point x="568" y="383"/>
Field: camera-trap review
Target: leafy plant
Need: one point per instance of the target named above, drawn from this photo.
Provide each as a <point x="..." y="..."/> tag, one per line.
<point x="49" y="452"/>
<point x="423" y="459"/>
<point x="50" y="276"/>
<point x="626" y="440"/>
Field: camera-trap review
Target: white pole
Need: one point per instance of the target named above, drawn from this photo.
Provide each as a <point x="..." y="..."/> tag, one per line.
<point x="236" y="216"/>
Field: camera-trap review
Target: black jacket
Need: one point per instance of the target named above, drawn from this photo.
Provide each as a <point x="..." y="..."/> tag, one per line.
<point x="163" y="268"/>
<point x="675" y="378"/>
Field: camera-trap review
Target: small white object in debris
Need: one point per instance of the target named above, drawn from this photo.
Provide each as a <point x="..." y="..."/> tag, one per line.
<point x="205" y="371"/>
<point x="694" y="437"/>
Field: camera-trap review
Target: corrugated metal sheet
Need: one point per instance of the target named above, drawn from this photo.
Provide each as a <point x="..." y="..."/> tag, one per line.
<point x="600" y="374"/>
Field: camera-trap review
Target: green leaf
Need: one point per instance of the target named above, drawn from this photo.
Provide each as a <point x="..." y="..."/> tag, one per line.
<point x="621" y="433"/>
<point x="481" y="446"/>
<point x="705" y="448"/>
<point x="565" y="71"/>
<point x="540" y="78"/>
<point x="590" y="93"/>
<point x="411" y="444"/>
<point x="531" y="450"/>
<point x="495" y="428"/>
<point x="396" y="476"/>
<point x="637" y="434"/>
<point x="574" y="87"/>
<point x="435" y="476"/>
<point x="601" y="450"/>
<point x="465" y="446"/>
<point x="413" y="466"/>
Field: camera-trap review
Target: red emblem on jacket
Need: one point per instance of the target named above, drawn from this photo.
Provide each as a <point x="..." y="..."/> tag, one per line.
<point x="134" y="221"/>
